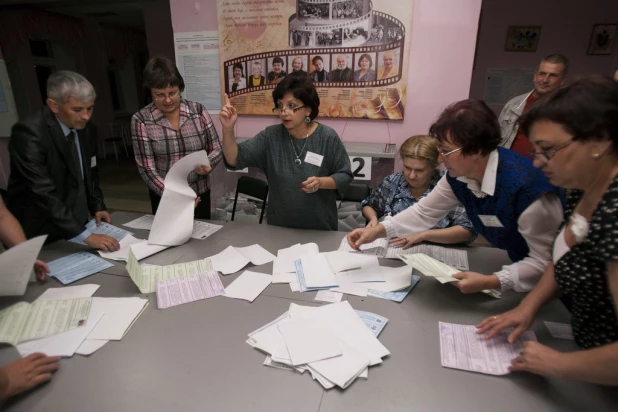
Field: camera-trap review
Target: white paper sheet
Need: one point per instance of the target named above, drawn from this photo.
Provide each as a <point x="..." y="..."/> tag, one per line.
<point x="286" y="257"/>
<point x="16" y="265"/>
<point x="228" y="261"/>
<point x="294" y="287"/>
<point x="173" y="223"/>
<point x="68" y="292"/>
<point x="248" y="286"/>
<point x="328" y="296"/>
<point x="256" y="254"/>
<point x="120" y="314"/>
<point x="308" y="341"/>
<point x="88" y="347"/>
<point x="143" y="222"/>
<point x="284" y="278"/>
<point x="342" y="261"/>
<point x="317" y="272"/>
<point x="342" y="370"/>
<point x="372" y="274"/>
<point x="268" y="338"/>
<point x="202" y="230"/>
<point x="395" y="279"/>
<point x="64" y="344"/>
<point x="141" y="249"/>
<point x="462" y="348"/>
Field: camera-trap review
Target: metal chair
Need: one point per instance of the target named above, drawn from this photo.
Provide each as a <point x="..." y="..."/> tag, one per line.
<point x="117" y="135"/>
<point x="251" y="187"/>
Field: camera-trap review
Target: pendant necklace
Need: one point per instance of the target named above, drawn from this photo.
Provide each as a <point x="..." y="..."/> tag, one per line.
<point x="298" y="161"/>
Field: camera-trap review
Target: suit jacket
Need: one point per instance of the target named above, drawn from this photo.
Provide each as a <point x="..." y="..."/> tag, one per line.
<point x="44" y="180"/>
<point x="339" y="75"/>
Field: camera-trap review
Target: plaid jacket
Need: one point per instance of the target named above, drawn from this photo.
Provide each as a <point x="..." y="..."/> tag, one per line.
<point x="158" y="146"/>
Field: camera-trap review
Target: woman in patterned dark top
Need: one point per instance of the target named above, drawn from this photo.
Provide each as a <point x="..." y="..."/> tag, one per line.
<point x="401" y="190"/>
<point x="575" y="136"/>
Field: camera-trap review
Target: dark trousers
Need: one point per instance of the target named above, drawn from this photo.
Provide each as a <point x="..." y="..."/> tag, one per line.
<point x="202" y="211"/>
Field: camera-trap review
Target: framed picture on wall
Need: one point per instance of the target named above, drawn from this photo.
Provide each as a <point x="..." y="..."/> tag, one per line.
<point x="522" y="38"/>
<point x="602" y="38"/>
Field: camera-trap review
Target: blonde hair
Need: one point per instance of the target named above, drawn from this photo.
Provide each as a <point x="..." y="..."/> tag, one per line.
<point x="420" y="147"/>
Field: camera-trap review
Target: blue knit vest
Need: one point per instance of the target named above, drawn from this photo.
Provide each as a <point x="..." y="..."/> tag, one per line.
<point x="518" y="185"/>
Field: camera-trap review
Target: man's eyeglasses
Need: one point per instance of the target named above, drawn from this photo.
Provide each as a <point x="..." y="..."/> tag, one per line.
<point x="547" y="154"/>
<point x="449" y="153"/>
<point x="171" y="95"/>
<point x="289" y="108"/>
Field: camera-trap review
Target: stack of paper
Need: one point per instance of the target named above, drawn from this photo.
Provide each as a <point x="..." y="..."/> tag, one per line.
<point x="173" y="223"/>
<point x="332" y="342"/>
<point x="77" y="266"/>
<point x="141" y="249"/>
<point x="105" y="228"/>
<point x="174" y="292"/>
<point x="16" y="265"/>
<point x="248" y="286"/>
<point x="284" y="268"/>
<point x="436" y="269"/>
<point x="461" y="347"/>
<point x="380" y="247"/>
<point x="232" y="259"/>
<point x="147" y="276"/>
<point x="201" y="230"/>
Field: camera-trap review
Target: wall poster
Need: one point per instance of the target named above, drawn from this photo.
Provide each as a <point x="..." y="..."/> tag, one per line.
<point x="356" y="51"/>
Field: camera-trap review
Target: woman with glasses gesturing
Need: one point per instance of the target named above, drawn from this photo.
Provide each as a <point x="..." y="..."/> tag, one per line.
<point x="170" y="128"/>
<point x="575" y="136"/>
<point x="305" y="162"/>
<point x="508" y="200"/>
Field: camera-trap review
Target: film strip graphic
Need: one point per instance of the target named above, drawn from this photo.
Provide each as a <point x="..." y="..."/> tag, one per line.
<point x="378" y="23"/>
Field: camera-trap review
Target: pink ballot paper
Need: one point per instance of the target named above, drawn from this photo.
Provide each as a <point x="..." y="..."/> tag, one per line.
<point x="462" y="348"/>
<point x="174" y="292"/>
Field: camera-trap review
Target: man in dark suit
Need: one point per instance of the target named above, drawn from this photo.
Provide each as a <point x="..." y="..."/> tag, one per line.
<point x="54" y="184"/>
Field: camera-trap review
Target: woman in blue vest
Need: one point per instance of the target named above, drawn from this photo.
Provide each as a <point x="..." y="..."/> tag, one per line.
<point x="508" y="200"/>
<point x="575" y="137"/>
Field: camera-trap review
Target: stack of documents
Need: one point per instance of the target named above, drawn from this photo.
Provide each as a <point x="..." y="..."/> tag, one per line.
<point x="284" y="268"/>
<point x="147" y="276"/>
<point x="462" y="348"/>
<point x="201" y="230"/>
<point x="16" y="266"/>
<point x="232" y="259"/>
<point x="436" y="269"/>
<point x="105" y="228"/>
<point x="140" y="247"/>
<point x="177" y="291"/>
<point x="77" y="266"/>
<point x="333" y="342"/>
<point x="380" y="247"/>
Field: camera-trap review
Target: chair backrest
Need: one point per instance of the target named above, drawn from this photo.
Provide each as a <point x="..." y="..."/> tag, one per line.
<point x="357" y="192"/>
<point x="117" y="130"/>
<point x="253" y="187"/>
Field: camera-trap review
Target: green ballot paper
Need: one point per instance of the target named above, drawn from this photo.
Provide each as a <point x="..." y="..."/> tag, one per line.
<point x="26" y="321"/>
<point x="146" y="278"/>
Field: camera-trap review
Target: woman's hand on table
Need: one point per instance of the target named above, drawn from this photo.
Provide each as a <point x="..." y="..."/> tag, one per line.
<point x="519" y="318"/>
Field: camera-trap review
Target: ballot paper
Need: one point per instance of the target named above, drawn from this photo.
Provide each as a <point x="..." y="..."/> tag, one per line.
<point x="174" y="292"/>
<point x="232" y="259"/>
<point x="380" y="247"/>
<point x="307" y="340"/>
<point x="120" y="314"/>
<point x="76" y="266"/>
<point x="248" y="286"/>
<point x="284" y="263"/>
<point x="173" y="222"/>
<point x="25" y="321"/>
<point x="104" y="228"/>
<point x="201" y="230"/>
<point x="68" y="292"/>
<point x="63" y="344"/>
<point x="397" y="296"/>
<point x="16" y="265"/>
<point x="461" y="347"/>
<point x="429" y="266"/>
<point x="317" y="272"/>
<point x="141" y="249"/>
<point x="88" y="347"/>
<point x="328" y="296"/>
<point x="146" y="277"/>
<point x="300" y="278"/>
<point x="143" y="222"/>
<point x="560" y="330"/>
<point x="394" y="279"/>
<point x="374" y="322"/>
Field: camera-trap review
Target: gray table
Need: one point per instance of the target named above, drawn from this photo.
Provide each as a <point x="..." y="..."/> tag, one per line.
<point x="193" y="357"/>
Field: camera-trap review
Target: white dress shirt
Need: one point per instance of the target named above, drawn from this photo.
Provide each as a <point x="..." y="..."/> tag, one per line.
<point x="537" y="224"/>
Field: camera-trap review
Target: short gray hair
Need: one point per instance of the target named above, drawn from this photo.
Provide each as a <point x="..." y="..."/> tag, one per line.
<point x="65" y="84"/>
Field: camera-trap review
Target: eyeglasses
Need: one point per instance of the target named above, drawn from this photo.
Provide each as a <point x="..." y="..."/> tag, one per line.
<point x="547" y="154"/>
<point x="171" y="95"/>
<point x="291" y="107"/>
<point x="449" y="153"/>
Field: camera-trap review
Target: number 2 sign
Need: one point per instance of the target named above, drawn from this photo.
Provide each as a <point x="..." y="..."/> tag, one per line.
<point x="361" y="167"/>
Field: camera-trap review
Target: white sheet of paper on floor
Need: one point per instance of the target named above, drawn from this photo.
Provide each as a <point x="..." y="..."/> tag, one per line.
<point x="173" y="222"/>
<point x="16" y="265"/>
<point x="248" y="286"/>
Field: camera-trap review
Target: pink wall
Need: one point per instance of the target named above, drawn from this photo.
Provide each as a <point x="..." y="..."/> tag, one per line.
<point x="443" y="37"/>
<point x="566" y="28"/>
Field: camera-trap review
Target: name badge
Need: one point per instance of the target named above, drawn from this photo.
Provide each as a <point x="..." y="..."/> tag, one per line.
<point x="93" y="162"/>
<point x="491" y="221"/>
<point x="314" y="159"/>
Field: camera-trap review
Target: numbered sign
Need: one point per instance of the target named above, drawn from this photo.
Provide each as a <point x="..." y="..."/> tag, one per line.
<point x="361" y="167"/>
